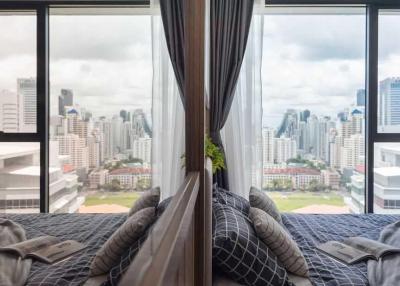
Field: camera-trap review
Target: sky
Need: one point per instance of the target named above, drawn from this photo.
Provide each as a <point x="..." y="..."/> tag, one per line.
<point x="309" y="61"/>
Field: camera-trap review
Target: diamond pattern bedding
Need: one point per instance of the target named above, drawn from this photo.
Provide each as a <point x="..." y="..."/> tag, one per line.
<point x="91" y="229"/>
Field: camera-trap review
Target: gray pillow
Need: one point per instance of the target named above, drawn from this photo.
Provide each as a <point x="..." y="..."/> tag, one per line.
<point x="259" y="199"/>
<point x="149" y="199"/>
<point x="126" y="235"/>
<point x="279" y="241"/>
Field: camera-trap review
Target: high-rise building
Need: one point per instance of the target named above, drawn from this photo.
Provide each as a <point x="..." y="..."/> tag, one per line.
<point x="142" y="149"/>
<point x="8" y="112"/>
<point x="361" y="97"/>
<point x="26" y="89"/>
<point x="268" y="135"/>
<point x="353" y="151"/>
<point x="66" y="98"/>
<point x="285" y="149"/>
<point x="389" y="102"/>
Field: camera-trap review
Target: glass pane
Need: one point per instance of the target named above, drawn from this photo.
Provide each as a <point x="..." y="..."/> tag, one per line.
<point x="387" y="178"/>
<point x="314" y="109"/>
<point x="101" y="80"/>
<point x="19" y="177"/>
<point x="389" y="72"/>
<point x="17" y="72"/>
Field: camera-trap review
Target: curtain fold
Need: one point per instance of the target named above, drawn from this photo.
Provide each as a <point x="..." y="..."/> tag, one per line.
<point x="229" y="28"/>
<point x="168" y="115"/>
<point x="242" y="133"/>
<point x="173" y="23"/>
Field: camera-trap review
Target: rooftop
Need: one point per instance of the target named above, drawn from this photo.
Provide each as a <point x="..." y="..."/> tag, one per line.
<point x="388" y="171"/>
<point x="13" y="149"/>
<point x="292" y="171"/>
<point x="127" y="171"/>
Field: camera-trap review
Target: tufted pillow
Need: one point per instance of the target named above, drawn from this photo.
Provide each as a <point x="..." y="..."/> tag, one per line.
<point x="259" y="199"/>
<point x="148" y="199"/>
<point x="228" y="198"/>
<point x="126" y="235"/>
<point x="239" y="253"/>
<point x="280" y="242"/>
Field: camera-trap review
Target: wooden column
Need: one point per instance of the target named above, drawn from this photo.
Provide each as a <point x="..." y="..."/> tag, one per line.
<point x="194" y="96"/>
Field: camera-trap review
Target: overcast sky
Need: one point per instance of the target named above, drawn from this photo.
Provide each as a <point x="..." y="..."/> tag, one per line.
<point x="314" y="62"/>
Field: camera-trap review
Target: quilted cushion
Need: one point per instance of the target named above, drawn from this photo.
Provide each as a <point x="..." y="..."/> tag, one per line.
<point x="147" y="200"/>
<point x="259" y="199"/>
<point x="279" y="241"/>
<point x="126" y="235"/>
<point x="228" y="198"/>
<point x="240" y="254"/>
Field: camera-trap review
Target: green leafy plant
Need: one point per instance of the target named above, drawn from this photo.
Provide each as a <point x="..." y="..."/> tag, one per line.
<point x="215" y="154"/>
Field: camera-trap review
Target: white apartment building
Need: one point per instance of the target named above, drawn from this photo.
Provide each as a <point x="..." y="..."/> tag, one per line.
<point x="142" y="149"/>
<point x="331" y="178"/>
<point x="284" y="149"/>
<point x="8" y="112"/>
<point x="75" y="147"/>
<point x="353" y="151"/>
<point x="268" y="135"/>
<point x="300" y="177"/>
<point x="26" y="89"/>
<point x="20" y="181"/>
<point x="98" y="178"/>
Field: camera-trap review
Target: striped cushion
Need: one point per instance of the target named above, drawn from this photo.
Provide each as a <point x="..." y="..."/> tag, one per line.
<point x="279" y="241"/>
<point x="125" y="236"/>
<point x="259" y="199"/>
<point x="148" y="199"/>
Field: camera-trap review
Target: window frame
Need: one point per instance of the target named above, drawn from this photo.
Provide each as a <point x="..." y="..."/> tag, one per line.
<point x="41" y="7"/>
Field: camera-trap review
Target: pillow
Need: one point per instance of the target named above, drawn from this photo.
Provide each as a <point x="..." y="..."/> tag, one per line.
<point x="162" y="206"/>
<point x="148" y="199"/>
<point x="260" y="200"/>
<point x="239" y="253"/>
<point x="126" y="235"/>
<point x="279" y="241"/>
<point x="228" y="198"/>
<point x="116" y="273"/>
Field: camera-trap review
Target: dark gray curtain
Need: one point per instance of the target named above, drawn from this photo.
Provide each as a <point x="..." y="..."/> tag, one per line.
<point x="229" y="28"/>
<point x="173" y="21"/>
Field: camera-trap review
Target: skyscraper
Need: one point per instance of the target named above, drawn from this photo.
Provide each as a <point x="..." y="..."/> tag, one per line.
<point x="66" y="98"/>
<point x="26" y="89"/>
<point x="8" y="111"/>
<point x="389" y="102"/>
<point x="361" y="97"/>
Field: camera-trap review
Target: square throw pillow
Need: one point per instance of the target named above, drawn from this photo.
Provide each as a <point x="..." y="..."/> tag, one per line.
<point x="125" y="236"/>
<point x="280" y="242"/>
<point x="239" y="253"/>
<point x="149" y="199"/>
<point x="228" y="198"/>
<point x="259" y="199"/>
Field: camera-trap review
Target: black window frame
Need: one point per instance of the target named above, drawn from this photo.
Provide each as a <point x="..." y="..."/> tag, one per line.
<point x="42" y="132"/>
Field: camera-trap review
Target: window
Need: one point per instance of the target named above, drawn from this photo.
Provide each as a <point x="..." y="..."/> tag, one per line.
<point x="100" y="119"/>
<point x="19" y="161"/>
<point x="18" y="72"/>
<point x="389" y="72"/>
<point x="314" y="109"/>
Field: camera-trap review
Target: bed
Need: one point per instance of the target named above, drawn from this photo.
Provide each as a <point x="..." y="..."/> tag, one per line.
<point x="309" y="230"/>
<point x="91" y="229"/>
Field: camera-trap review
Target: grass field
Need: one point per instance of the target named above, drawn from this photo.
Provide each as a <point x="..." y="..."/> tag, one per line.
<point x="125" y="199"/>
<point x="287" y="202"/>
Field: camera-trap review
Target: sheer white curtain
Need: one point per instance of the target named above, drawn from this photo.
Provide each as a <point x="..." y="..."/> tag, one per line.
<point x="242" y="133"/>
<point x="168" y="142"/>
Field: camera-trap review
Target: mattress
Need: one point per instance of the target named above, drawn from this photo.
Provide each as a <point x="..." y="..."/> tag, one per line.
<point x="91" y="229"/>
<point x="311" y="230"/>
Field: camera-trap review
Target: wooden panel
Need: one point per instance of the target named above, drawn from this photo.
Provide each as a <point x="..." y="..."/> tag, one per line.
<point x="160" y="257"/>
<point x="194" y="94"/>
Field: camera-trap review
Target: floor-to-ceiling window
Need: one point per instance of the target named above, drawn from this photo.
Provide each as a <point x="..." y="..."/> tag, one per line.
<point x="386" y="172"/>
<point x="100" y="108"/>
<point x="314" y="108"/>
<point x="19" y="161"/>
